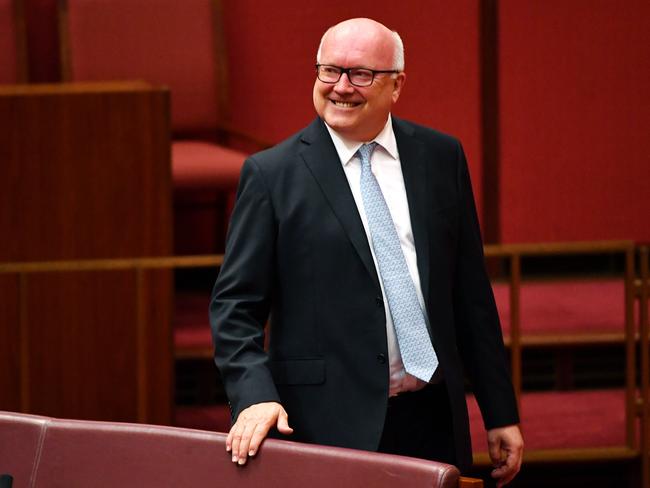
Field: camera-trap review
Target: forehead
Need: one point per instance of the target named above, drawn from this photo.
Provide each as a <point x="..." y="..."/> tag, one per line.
<point x="358" y="47"/>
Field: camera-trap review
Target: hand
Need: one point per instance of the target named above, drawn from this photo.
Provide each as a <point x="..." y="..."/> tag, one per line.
<point x="251" y="427"/>
<point x="506" y="446"/>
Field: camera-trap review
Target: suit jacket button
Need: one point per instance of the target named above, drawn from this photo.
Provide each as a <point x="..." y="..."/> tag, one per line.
<point x="381" y="358"/>
<point x="379" y="301"/>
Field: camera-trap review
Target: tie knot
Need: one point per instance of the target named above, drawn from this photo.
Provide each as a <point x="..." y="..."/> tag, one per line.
<point x="365" y="152"/>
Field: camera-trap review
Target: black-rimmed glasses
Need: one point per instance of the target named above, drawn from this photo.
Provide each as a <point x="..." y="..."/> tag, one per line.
<point x="357" y="76"/>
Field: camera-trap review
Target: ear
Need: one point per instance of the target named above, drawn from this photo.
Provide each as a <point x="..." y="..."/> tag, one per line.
<point x="398" y="83"/>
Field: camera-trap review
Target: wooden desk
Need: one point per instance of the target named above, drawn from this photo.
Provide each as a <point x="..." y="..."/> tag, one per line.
<point x="85" y="174"/>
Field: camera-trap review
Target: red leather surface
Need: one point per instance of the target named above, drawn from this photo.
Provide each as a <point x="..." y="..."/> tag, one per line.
<point x="8" y="66"/>
<point x="200" y="165"/>
<point x="20" y="441"/>
<point x="102" y="454"/>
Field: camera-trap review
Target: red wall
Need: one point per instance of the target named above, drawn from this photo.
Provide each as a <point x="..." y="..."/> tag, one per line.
<point x="575" y="120"/>
<point x="273" y="47"/>
<point x="573" y="112"/>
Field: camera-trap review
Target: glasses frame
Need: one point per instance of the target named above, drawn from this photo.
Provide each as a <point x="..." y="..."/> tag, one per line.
<point x="347" y="72"/>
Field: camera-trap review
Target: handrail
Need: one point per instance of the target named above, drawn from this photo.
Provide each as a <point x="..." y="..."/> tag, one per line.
<point x="514" y="253"/>
<point x="164" y="262"/>
<point x="644" y="332"/>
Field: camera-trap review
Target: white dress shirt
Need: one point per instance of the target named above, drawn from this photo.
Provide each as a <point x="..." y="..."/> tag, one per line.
<point x="387" y="168"/>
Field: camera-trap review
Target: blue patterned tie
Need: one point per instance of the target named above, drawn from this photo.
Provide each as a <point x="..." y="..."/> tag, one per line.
<point x="415" y="346"/>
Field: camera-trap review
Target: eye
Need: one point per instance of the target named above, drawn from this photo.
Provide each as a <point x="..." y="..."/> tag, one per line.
<point x="362" y="75"/>
<point x="330" y="70"/>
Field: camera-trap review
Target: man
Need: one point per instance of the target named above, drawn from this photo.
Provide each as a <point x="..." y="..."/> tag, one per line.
<point x="359" y="236"/>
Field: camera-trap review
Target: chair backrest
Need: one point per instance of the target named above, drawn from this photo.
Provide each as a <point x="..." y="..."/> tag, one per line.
<point x="177" y="43"/>
<point x="13" y="55"/>
<point x="20" y="441"/>
<point x="104" y="454"/>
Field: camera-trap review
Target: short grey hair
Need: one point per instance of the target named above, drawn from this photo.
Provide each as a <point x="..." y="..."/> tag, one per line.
<point x="398" y="55"/>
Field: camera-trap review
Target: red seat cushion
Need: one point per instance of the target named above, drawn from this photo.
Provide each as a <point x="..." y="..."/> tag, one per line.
<point x="566" y="307"/>
<point x="563" y="420"/>
<point x="20" y="438"/>
<point x="191" y="325"/>
<point x="202" y="165"/>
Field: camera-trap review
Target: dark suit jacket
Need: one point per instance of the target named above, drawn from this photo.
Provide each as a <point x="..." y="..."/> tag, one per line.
<point x="296" y="249"/>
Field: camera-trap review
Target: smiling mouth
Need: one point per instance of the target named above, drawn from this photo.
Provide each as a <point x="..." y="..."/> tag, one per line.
<point x="340" y="104"/>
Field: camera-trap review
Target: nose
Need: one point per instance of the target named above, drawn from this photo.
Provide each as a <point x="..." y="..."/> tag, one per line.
<point x="344" y="85"/>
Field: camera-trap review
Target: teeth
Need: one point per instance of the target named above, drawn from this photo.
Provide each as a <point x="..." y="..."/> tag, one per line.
<point x="344" y="104"/>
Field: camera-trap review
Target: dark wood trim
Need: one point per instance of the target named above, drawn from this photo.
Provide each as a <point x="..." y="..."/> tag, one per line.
<point x="22" y="68"/>
<point x="113" y="264"/>
<point x="587" y="454"/>
<point x="644" y="331"/>
<point x="515" y="326"/>
<point x="490" y="123"/>
<point x="24" y="343"/>
<point x="141" y="359"/>
<point x="630" y="352"/>
<point x="64" y="41"/>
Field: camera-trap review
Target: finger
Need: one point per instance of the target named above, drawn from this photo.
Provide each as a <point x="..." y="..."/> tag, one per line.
<point x="244" y="442"/>
<point x="508" y="471"/>
<point x="258" y="436"/>
<point x="236" y="432"/>
<point x="283" y="423"/>
<point x="229" y="439"/>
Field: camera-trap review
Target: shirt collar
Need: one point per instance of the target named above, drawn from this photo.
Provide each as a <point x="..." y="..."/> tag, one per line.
<point x="347" y="148"/>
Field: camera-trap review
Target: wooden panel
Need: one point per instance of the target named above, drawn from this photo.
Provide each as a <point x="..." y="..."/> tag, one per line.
<point x="79" y="177"/>
<point x="9" y="344"/>
<point x="85" y="173"/>
<point x="82" y="352"/>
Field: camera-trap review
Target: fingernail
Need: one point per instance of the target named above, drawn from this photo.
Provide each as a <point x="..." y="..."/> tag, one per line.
<point x="234" y="459"/>
<point x="242" y="461"/>
<point x="228" y="448"/>
<point x="251" y="452"/>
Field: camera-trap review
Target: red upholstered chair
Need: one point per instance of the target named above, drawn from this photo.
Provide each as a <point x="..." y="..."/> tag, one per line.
<point x="13" y="55"/>
<point x="177" y="43"/>
<point x="103" y="454"/>
<point x="20" y="441"/>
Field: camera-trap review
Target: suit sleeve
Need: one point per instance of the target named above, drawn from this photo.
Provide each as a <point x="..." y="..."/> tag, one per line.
<point x="479" y="331"/>
<point x="241" y="297"/>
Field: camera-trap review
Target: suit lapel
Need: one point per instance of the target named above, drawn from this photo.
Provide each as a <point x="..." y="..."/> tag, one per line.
<point x="412" y="156"/>
<point x="321" y="158"/>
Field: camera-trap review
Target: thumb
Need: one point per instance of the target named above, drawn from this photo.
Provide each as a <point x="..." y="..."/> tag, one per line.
<point x="283" y="423"/>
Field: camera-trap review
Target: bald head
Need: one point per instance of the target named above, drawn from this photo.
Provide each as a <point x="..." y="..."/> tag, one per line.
<point x="386" y="41"/>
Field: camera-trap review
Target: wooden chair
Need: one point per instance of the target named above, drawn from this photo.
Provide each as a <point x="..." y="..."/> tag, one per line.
<point x="84" y="453"/>
<point x="180" y="44"/>
<point x="13" y="44"/>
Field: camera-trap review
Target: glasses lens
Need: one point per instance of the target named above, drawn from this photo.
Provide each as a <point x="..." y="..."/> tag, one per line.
<point x="361" y="77"/>
<point x="329" y="74"/>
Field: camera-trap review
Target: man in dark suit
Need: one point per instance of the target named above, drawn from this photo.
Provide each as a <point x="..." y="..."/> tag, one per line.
<point x="358" y="236"/>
